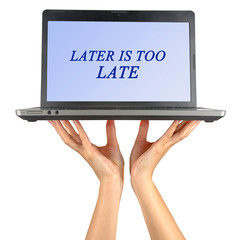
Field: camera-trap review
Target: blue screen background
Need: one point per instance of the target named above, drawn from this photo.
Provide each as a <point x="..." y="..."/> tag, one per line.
<point x="167" y="80"/>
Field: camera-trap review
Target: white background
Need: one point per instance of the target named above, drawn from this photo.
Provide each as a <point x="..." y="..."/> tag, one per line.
<point x="47" y="191"/>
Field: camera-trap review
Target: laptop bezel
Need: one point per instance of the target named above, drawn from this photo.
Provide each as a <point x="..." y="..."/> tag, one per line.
<point x="109" y="15"/>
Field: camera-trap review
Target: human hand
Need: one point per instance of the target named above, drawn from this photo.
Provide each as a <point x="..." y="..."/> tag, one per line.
<point x="106" y="161"/>
<point x="146" y="155"/>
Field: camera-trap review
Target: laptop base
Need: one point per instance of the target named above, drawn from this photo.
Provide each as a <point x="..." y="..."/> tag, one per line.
<point x="35" y="114"/>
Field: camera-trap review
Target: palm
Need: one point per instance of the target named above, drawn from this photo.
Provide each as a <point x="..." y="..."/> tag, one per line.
<point x="109" y="156"/>
<point x="141" y="146"/>
<point x="138" y="150"/>
<point x="112" y="153"/>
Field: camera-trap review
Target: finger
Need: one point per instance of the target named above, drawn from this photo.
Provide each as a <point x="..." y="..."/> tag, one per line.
<point x="143" y="130"/>
<point x="171" y="129"/>
<point x="184" y="132"/>
<point x="67" y="139"/>
<point x="194" y="126"/>
<point x="83" y="136"/>
<point x="111" y="133"/>
<point x="180" y="126"/>
<point x="71" y="131"/>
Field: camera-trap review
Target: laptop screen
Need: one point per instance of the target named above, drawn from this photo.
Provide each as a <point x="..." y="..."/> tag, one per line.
<point x="107" y="61"/>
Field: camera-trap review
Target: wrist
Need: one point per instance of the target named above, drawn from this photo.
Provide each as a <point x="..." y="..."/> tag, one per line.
<point x="113" y="183"/>
<point x="141" y="182"/>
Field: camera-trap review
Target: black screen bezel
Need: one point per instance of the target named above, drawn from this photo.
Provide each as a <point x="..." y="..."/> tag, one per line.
<point x="109" y="15"/>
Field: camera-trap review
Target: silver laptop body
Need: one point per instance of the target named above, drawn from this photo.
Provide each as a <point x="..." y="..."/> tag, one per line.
<point x="129" y="65"/>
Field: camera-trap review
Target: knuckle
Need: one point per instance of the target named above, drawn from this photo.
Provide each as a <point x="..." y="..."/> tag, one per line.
<point x="165" y="138"/>
<point x="66" y="141"/>
<point x="86" y="155"/>
<point x="181" y="137"/>
<point x="186" y="135"/>
<point x="158" y="148"/>
<point x="168" y="144"/>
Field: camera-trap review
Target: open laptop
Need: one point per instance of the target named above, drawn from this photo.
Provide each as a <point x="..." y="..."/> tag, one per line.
<point x="118" y="65"/>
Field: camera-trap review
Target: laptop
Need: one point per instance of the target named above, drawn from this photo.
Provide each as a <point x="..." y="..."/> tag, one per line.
<point x="128" y="65"/>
